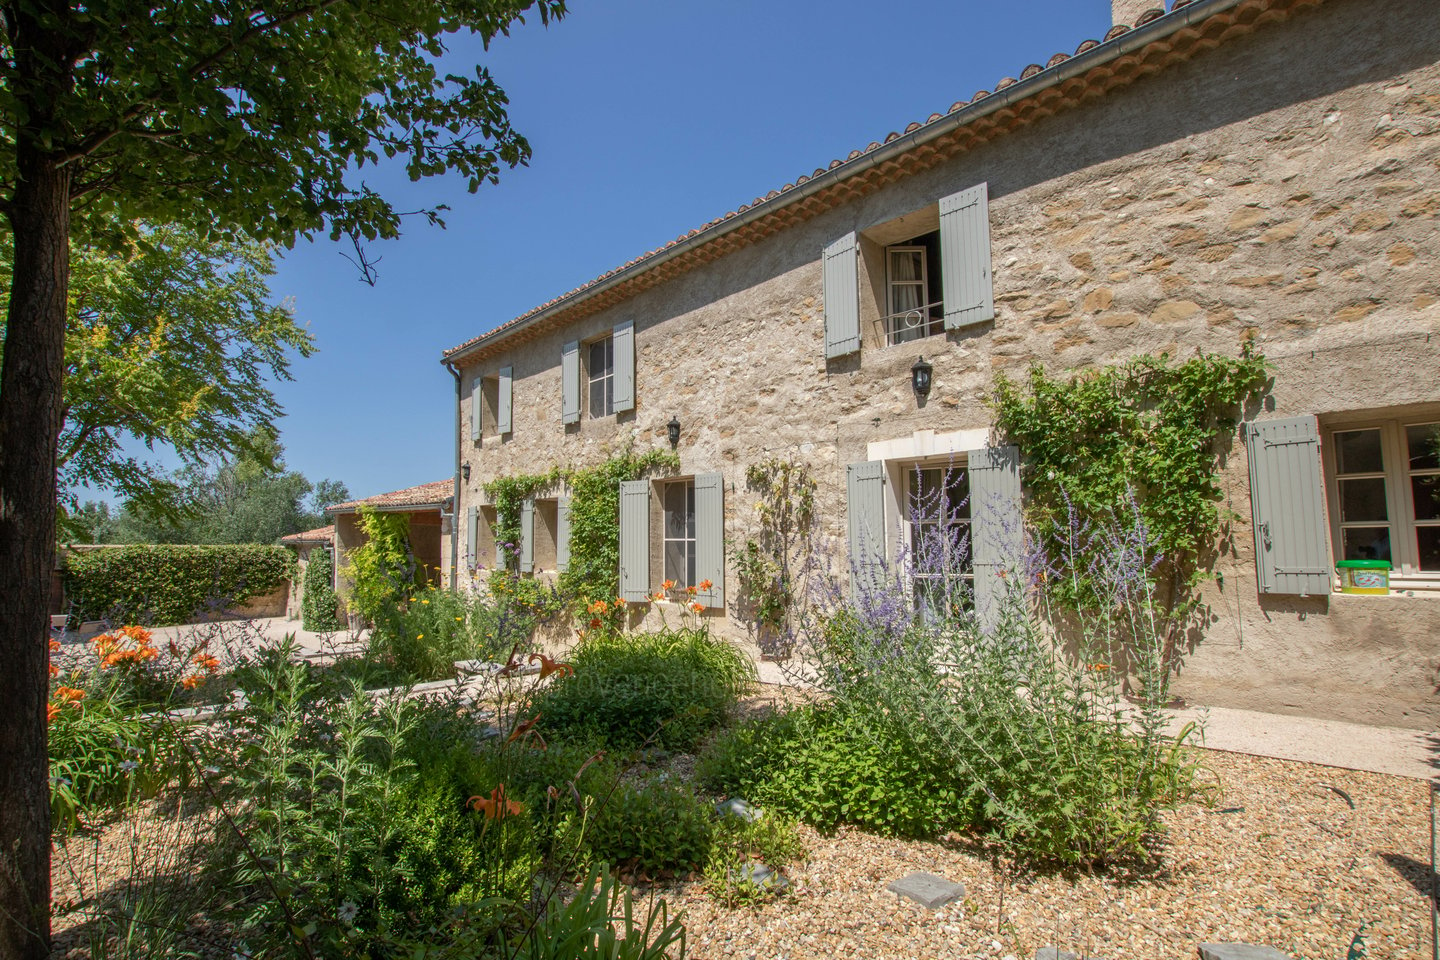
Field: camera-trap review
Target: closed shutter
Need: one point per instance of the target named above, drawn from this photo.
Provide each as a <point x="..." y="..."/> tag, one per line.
<point x="472" y="537"/>
<point x="865" y="506"/>
<point x="997" y="532"/>
<point x="570" y="382"/>
<point x="634" y="540"/>
<point x="504" y="406"/>
<point x="527" y="536"/>
<point x="710" y="537"/>
<point x="1292" y="555"/>
<point x="477" y="391"/>
<point x="624" y="343"/>
<point x="965" y="258"/>
<point x="562" y="534"/>
<point x="842" y="298"/>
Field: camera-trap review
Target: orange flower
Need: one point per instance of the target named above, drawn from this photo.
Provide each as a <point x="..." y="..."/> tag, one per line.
<point x="668" y="585"/>
<point x="1100" y="666"/>
<point x="619" y="602"/>
<point x="690" y="591"/>
<point x="52" y="710"/>
<point x="548" y="666"/>
<point x="54" y="670"/>
<point x="594" y="623"/>
<point x="697" y="606"/>
<point x="69" y="694"/>
<point x="192" y="681"/>
<point x="705" y="584"/>
<point x="599" y="606"/>
<point x="496" y="806"/>
<point x="205" y="660"/>
<point x="54" y="646"/>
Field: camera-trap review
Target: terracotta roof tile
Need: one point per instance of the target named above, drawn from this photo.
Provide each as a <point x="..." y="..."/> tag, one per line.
<point x="1232" y="15"/>
<point x="424" y="495"/>
<point x="324" y="534"/>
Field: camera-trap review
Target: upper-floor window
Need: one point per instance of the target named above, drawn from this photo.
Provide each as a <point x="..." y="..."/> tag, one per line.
<point x="914" y="308"/>
<point x="1385" y="493"/>
<point x="600" y="371"/>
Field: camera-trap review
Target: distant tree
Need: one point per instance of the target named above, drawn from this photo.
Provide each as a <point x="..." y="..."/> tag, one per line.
<point x="91" y="522"/>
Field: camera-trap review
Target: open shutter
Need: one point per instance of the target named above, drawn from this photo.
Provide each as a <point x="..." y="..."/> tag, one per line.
<point x="710" y="537"/>
<point x="527" y="536"/>
<point x="842" y="298"/>
<point x="562" y="534"/>
<point x="965" y="258"/>
<point x="634" y="540"/>
<point x="624" y="343"/>
<point x="472" y="537"/>
<point x="477" y="391"/>
<point x="865" y="507"/>
<point x="570" y="382"/>
<point x="997" y="532"/>
<point x="504" y="407"/>
<point x="1287" y="499"/>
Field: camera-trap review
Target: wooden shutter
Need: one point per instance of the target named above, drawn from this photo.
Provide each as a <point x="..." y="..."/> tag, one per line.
<point x="965" y="258"/>
<point x="997" y="532"/>
<point x="504" y="407"/>
<point x="865" y="508"/>
<point x="562" y="534"/>
<point x="710" y="537"/>
<point x="472" y="537"/>
<point x="570" y="382"/>
<point x="527" y="536"/>
<point x="634" y="540"/>
<point x="1287" y="500"/>
<point x="624" y="344"/>
<point x="477" y="392"/>
<point x="842" y="298"/>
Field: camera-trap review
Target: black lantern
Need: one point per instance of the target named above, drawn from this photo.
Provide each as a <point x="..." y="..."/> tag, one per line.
<point x="672" y="429"/>
<point x="920" y="378"/>
<point x="465" y="471"/>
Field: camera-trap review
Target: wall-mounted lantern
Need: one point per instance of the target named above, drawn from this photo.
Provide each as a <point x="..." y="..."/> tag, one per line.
<point x="672" y="429"/>
<point x="920" y="378"/>
<point x="465" y="471"/>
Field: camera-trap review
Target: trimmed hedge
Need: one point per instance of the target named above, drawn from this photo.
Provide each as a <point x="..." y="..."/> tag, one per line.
<point x="164" y="585"/>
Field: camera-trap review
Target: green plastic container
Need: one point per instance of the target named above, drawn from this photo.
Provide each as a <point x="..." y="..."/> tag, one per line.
<point x="1364" y="576"/>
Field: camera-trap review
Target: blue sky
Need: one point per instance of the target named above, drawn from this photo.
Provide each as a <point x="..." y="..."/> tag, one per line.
<point x="647" y="118"/>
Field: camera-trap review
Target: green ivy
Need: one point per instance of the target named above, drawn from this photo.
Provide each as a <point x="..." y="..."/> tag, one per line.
<point x="1148" y="430"/>
<point x="162" y="585"/>
<point x="319" y="607"/>
<point x="765" y="565"/>
<point x="383" y="569"/>
<point x="507" y="494"/>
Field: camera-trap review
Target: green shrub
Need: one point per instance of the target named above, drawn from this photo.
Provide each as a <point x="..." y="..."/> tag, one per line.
<point x="665" y="688"/>
<point x="319" y="607"/>
<point x="383" y="569"/>
<point x="828" y="767"/>
<point x="651" y="826"/>
<point x="599" y="923"/>
<point x="419" y="637"/>
<point x="738" y="845"/>
<point x="161" y="585"/>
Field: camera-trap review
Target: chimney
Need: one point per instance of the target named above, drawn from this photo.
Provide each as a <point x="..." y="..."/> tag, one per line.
<point x="1128" y="11"/>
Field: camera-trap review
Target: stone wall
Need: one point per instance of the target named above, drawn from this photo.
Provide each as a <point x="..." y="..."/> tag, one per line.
<point x="1283" y="187"/>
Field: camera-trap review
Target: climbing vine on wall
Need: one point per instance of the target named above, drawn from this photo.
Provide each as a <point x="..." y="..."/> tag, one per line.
<point x="507" y="494"/>
<point x="1149" y="430"/>
<point x="767" y="565"/>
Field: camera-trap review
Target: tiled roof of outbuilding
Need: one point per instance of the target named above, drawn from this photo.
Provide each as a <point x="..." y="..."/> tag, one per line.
<point x="425" y="495"/>
<point x="324" y="534"/>
<point x="1160" y="39"/>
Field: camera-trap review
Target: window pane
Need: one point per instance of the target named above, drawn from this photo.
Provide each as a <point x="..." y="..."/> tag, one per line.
<point x="1426" y="490"/>
<point x="1363" y="500"/>
<point x="677" y="523"/>
<point x="957" y="494"/>
<point x="597" y="398"/>
<point x="689" y="489"/>
<point x="1428" y="547"/>
<point x="1358" y="451"/>
<point x="905" y="264"/>
<point x="601" y="358"/>
<point x="676" y="565"/>
<point x="1423" y="440"/>
<point x="690" y="564"/>
<point x="1367" y="543"/>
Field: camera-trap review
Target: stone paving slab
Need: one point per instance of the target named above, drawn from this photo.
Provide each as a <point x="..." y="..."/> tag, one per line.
<point x="927" y="889"/>
<point x="1240" y="951"/>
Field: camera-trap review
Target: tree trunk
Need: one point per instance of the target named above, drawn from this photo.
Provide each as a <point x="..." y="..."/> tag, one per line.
<point x="30" y="402"/>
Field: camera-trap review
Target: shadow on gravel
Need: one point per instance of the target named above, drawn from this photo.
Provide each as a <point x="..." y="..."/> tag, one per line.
<point x="1414" y="872"/>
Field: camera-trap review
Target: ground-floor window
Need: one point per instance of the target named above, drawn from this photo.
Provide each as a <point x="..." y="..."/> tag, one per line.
<point x="678" y="503"/>
<point x="938" y="515"/>
<point x="1385" y="494"/>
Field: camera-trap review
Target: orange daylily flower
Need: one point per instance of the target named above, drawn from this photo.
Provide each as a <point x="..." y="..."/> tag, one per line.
<point x="690" y="591"/>
<point x="705" y="584"/>
<point x="54" y="646"/>
<point x="496" y="806"/>
<point x="206" y="661"/>
<point x="668" y="585"/>
<point x="599" y="606"/>
<point x="619" y="602"/>
<point x="192" y="681"/>
<point x="696" y="606"/>
<point x="69" y="694"/>
<point x="52" y="710"/>
<point x="548" y="666"/>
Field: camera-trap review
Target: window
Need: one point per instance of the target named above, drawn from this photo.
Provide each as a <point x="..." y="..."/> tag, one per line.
<point x="679" y="536"/>
<point x="913" y="307"/>
<point x="1385" y="492"/>
<point x="938" y="512"/>
<point x="600" y="371"/>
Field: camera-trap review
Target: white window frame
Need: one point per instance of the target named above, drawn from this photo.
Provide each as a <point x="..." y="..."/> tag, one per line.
<point x="930" y="326"/>
<point x="911" y="472"/>
<point x="689" y="540"/>
<point x="1405" y="573"/>
<point x="604" y="377"/>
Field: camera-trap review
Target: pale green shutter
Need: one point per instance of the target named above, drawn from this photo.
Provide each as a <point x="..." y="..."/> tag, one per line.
<point x="997" y="531"/>
<point x="527" y="536"/>
<point x="477" y="392"/>
<point x="624" y="344"/>
<point x="634" y="540"/>
<point x="504" y="406"/>
<point x="1292" y="555"/>
<point x="562" y="534"/>
<point x="865" y="508"/>
<point x="965" y="258"/>
<point x="710" y="537"/>
<point x="570" y="382"/>
<point x="472" y="537"/>
<point x="842" y="298"/>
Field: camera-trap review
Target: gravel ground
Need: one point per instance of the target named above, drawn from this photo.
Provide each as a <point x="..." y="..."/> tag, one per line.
<point x="1281" y="858"/>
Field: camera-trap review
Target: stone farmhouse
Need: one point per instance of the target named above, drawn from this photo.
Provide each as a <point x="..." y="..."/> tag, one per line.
<point x="1224" y="170"/>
